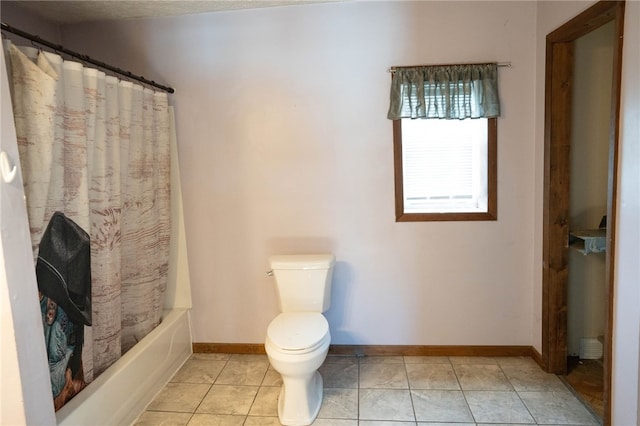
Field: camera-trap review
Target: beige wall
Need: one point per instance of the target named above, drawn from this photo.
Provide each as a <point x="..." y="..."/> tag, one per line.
<point x="466" y="283"/>
<point x="626" y="343"/>
<point x="285" y="148"/>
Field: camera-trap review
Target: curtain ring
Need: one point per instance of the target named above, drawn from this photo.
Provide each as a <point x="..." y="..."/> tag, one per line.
<point x="37" y="46"/>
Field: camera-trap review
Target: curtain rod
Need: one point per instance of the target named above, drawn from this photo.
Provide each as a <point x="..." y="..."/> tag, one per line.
<point x="82" y="57"/>
<point x="499" y="64"/>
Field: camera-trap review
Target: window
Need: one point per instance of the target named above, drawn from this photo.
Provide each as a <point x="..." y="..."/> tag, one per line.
<point x="445" y="142"/>
<point x="445" y="169"/>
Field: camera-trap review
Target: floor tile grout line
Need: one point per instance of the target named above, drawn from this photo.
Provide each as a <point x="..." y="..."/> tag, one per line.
<point x="226" y="362"/>
<point x="358" y="394"/>
<point x="413" y="406"/>
<point x="466" y="401"/>
<point x="258" y="391"/>
<point x="518" y="394"/>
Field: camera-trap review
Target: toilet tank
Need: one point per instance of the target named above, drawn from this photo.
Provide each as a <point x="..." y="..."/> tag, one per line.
<point x="303" y="281"/>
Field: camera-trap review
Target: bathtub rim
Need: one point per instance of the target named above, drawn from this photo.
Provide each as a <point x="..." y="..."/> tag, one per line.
<point x="103" y="401"/>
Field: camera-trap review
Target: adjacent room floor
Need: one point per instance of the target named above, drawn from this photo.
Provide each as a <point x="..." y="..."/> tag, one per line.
<point x="222" y="389"/>
<point x="586" y="377"/>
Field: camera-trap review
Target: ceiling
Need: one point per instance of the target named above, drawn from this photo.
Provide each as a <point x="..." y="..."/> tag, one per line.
<point x="73" y="12"/>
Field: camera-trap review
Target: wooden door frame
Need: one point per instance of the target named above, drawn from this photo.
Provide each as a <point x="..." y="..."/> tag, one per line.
<point x="557" y="133"/>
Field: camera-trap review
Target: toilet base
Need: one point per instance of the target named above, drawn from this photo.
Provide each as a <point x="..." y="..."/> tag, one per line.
<point x="303" y="403"/>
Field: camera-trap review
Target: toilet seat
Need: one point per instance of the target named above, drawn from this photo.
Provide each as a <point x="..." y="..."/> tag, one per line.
<point x="298" y="332"/>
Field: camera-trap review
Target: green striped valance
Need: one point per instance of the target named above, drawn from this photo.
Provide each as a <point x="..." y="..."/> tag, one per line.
<point x="445" y="91"/>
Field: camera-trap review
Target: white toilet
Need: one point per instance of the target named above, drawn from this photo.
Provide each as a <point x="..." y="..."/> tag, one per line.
<point x="298" y="339"/>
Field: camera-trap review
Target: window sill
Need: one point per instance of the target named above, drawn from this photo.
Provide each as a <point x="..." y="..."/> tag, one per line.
<point x="445" y="217"/>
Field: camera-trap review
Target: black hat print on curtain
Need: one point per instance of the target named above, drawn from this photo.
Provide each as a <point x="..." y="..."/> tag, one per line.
<point x="63" y="271"/>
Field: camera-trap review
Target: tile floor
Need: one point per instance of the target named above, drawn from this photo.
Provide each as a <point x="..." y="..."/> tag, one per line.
<point x="223" y="389"/>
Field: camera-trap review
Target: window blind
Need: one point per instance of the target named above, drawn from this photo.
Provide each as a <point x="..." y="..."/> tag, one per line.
<point x="443" y="165"/>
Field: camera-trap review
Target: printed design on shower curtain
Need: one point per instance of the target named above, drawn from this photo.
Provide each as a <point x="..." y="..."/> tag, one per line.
<point x="63" y="271"/>
<point x="97" y="149"/>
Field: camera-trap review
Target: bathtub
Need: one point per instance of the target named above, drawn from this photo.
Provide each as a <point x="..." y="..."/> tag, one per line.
<point x="121" y="393"/>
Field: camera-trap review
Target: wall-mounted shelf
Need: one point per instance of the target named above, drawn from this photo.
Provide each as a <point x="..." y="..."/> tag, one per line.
<point x="589" y="241"/>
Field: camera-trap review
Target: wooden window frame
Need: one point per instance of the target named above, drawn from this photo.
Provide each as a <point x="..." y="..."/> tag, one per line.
<point x="492" y="184"/>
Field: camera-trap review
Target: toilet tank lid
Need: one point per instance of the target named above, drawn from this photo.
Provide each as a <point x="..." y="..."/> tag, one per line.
<point x="302" y="261"/>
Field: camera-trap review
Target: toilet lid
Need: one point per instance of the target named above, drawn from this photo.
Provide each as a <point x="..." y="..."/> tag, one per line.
<point x="298" y="331"/>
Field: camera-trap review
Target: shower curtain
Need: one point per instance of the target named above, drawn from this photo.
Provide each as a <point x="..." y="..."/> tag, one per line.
<point x="97" y="149"/>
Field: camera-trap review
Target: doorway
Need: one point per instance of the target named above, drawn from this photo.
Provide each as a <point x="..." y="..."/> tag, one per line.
<point x="560" y="49"/>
